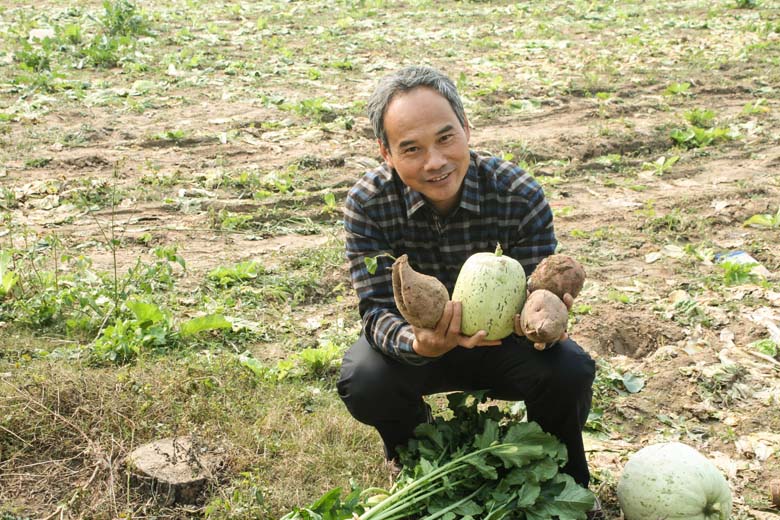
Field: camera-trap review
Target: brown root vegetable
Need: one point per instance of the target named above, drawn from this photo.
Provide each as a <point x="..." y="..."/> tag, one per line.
<point x="419" y="297"/>
<point x="544" y="317"/>
<point x="559" y="274"/>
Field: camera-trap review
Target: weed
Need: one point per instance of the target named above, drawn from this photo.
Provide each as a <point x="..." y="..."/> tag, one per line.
<point x="71" y="33"/>
<point x="38" y="162"/>
<point x="148" y="328"/>
<point x="754" y="108"/>
<point x="746" y="4"/>
<point x="240" y="272"/>
<point x="700" y="117"/>
<point x="695" y="137"/>
<point x="314" y="108"/>
<point x="330" y="202"/>
<point x="122" y="18"/>
<point x="619" y="297"/>
<point x="242" y="499"/>
<point x="661" y="165"/>
<point x="34" y="59"/>
<point x="104" y="51"/>
<point x="764" y="220"/>
<point x="170" y="135"/>
<point x="678" y="89"/>
<point x="609" y="383"/>
<point x="737" y="273"/>
<point x="233" y="221"/>
<point x="767" y="347"/>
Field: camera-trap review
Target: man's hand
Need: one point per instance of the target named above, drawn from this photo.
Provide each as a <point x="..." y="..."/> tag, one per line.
<point x="446" y="336"/>
<point x="568" y="301"/>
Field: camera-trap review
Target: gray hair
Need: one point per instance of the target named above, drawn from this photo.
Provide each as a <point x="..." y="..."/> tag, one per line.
<point x="405" y="80"/>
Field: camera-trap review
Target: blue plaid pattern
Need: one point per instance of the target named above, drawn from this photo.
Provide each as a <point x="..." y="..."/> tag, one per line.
<point x="500" y="203"/>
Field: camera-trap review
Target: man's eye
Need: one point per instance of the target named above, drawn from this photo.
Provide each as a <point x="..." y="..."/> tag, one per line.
<point x="411" y="149"/>
<point x="446" y="138"/>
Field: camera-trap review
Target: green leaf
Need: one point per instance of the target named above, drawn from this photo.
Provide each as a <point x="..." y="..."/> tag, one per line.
<point x="146" y="313"/>
<point x="481" y="464"/>
<point x="8" y="278"/>
<point x="766" y="346"/>
<point x="327" y="501"/>
<point x="633" y="383"/>
<point x="252" y="364"/>
<point x="430" y="431"/>
<point x="488" y="436"/>
<point x="203" y="323"/>
<point x="370" y="262"/>
<point x="761" y="221"/>
<point x="468" y="508"/>
<point x="574" y="501"/>
<point x="517" y="455"/>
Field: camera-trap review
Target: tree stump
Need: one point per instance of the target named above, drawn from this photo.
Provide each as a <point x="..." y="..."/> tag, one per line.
<point x="173" y="470"/>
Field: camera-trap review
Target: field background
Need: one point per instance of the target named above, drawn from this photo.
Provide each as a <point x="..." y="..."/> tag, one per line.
<point x="164" y="161"/>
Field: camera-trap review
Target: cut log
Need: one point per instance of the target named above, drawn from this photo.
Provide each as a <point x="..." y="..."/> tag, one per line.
<point x="173" y="470"/>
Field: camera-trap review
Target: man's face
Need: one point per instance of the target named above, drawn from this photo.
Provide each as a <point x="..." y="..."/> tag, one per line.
<point x="428" y="147"/>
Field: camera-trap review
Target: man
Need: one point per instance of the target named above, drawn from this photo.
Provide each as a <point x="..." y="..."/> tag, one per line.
<point x="439" y="202"/>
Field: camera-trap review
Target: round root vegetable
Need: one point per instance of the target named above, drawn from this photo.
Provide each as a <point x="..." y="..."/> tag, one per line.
<point x="544" y="317"/>
<point x="559" y="274"/>
<point x="672" y="480"/>
<point x="491" y="290"/>
<point x="420" y="298"/>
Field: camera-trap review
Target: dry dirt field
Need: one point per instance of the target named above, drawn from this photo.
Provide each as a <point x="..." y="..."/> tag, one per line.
<point x="192" y="157"/>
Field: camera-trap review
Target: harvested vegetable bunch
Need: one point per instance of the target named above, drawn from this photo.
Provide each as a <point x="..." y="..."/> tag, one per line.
<point x="420" y="298"/>
<point x="491" y="289"/>
<point x="479" y="464"/>
<point x="559" y="274"/>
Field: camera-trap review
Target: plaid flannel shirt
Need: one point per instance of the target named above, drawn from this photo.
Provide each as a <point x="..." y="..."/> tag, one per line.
<point x="500" y="203"/>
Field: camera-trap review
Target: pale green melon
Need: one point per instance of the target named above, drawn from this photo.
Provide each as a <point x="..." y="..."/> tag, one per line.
<point x="673" y="481"/>
<point x="491" y="289"/>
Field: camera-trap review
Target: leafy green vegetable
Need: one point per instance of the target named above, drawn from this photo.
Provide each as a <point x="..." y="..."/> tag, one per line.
<point x="479" y="464"/>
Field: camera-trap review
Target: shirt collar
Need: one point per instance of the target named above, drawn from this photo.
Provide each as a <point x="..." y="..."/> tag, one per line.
<point x="469" y="197"/>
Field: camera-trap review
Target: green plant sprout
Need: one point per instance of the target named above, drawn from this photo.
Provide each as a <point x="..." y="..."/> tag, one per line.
<point x="764" y="220"/>
<point x="661" y="165"/>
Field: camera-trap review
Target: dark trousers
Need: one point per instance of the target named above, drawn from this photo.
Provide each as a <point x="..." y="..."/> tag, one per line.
<point x="555" y="385"/>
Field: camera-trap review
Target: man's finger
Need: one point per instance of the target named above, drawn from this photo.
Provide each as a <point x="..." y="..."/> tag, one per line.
<point x="446" y="318"/>
<point x="540" y="346"/>
<point x="568" y="300"/>
<point x="518" y="328"/>
<point x="478" y="340"/>
<point x="457" y="313"/>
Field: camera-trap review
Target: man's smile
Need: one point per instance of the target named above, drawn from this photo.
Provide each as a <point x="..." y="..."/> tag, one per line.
<point x="440" y="177"/>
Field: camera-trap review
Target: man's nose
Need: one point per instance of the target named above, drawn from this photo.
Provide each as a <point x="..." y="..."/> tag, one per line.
<point x="435" y="160"/>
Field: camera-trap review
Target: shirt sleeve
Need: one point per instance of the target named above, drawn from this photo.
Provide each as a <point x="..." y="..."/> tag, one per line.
<point x="535" y="232"/>
<point x="384" y="327"/>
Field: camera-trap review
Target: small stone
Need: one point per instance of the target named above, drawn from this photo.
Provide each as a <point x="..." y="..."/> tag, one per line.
<point x="173" y="470"/>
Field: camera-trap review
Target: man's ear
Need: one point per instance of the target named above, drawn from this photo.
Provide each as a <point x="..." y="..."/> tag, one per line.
<point x="385" y="151"/>
<point x="466" y="127"/>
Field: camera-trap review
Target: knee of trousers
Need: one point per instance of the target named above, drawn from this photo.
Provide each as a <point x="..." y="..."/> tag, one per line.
<point x="374" y="388"/>
<point x="570" y="368"/>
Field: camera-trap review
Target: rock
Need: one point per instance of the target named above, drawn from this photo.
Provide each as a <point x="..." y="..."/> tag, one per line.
<point x="173" y="470"/>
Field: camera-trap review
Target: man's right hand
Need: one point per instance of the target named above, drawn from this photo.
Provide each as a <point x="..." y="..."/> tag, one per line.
<point x="446" y="336"/>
